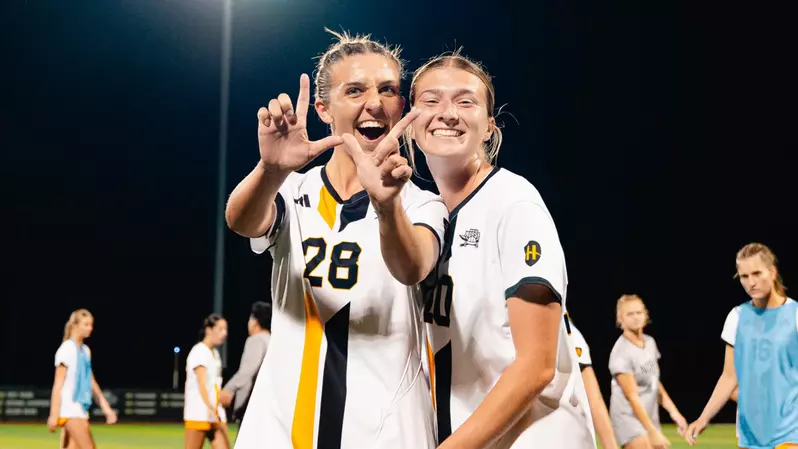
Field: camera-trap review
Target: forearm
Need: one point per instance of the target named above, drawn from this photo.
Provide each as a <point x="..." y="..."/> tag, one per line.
<point x="720" y="395"/>
<point x="666" y="402"/>
<point x="55" y="401"/>
<point x="408" y="257"/>
<point x="250" y="209"/>
<point x="601" y="416"/>
<point x="641" y="414"/>
<point x="98" y="393"/>
<point x="506" y="403"/>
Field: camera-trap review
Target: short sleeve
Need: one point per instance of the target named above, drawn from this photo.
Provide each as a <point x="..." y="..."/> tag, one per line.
<point x="581" y="347"/>
<point x="620" y="362"/>
<point x="261" y="244"/>
<point x="428" y="210"/>
<point x="729" y="332"/>
<point x="198" y="357"/>
<point x="66" y="354"/>
<point x="530" y="250"/>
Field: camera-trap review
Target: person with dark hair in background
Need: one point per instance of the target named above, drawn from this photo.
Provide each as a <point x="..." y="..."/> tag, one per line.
<point x="240" y="385"/>
<point x="203" y="416"/>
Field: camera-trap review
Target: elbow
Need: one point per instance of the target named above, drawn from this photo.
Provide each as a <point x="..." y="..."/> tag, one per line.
<point x="537" y="375"/>
<point x="409" y="276"/>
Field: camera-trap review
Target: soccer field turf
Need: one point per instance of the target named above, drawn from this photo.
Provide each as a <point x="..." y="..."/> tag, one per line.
<point x="170" y="436"/>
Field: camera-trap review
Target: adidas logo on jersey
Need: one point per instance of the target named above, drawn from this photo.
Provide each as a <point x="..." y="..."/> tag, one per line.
<point x="304" y="200"/>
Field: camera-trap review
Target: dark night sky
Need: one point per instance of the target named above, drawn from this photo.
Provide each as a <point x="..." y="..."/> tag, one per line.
<point x="658" y="136"/>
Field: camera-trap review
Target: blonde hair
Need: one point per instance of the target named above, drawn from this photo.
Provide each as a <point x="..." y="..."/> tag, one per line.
<point x="74" y="319"/>
<point x="625" y="299"/>
<point x="753" y="249"/>
<point x="490" y="150"/>
<point x="348" y="45"/>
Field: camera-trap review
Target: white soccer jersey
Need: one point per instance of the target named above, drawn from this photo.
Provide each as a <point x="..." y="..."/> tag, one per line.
<point x="67" y="355"/>
<point x="195" y="413"/>
<point x="581" y="347"/>
<point x="343" y="368"/>
<point x="499" y="238"/>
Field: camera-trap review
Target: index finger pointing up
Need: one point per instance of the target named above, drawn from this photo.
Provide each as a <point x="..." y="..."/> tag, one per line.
<point x="303" y="100"/>
<point x="400" y="127"/>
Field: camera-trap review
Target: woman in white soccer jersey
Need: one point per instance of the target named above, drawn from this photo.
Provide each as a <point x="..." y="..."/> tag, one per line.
<point x="505" y="374"/>
<point x="75" y="384"/>
<point x="598" y="408"/>
<point x="761" y="337"/>
<point x="637" y="391"/>
<point x="203" y="415"/>
<point x="350" y="241"/>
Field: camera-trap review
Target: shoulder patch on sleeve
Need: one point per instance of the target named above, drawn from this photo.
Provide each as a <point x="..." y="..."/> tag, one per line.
<point x="578" y="351"/>
<point x="532" y="253"/>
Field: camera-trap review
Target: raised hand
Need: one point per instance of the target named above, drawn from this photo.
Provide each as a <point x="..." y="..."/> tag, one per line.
<point x="283" y="134"/>
<point x="384" y="172"/>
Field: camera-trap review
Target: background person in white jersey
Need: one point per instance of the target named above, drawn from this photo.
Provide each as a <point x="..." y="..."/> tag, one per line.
<point x="75" y="384"/>
<point x="505" y="374"/>
<point x="350" y="240"/>
<point x="203" y="414"/>
<point x="637" y="391"/>
<point x="598" y="408"/>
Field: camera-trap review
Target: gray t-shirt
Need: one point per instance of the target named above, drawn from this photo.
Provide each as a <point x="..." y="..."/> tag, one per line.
<point x="627" y="357"/>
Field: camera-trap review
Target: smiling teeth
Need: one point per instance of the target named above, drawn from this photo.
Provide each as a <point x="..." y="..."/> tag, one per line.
<point x="447" y="133"/>
<point x="371" y="124"/>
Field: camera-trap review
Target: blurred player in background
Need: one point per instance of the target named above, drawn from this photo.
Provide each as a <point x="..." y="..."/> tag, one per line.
<point x="505" y="374"/>
<point x="350" y="241"/>
<point x="240" y="385"/>
<point x="75" y="384"/>
<point x="761" y="337"/>
<point x="598" y="408"/>
<point x="637" y="391"/>
<point x="203" y="415"/>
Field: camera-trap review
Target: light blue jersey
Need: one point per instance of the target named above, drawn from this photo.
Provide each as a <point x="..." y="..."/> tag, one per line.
<point x="766" y="360"/>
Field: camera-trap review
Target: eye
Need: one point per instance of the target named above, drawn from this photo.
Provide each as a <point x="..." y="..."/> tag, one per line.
<point x="389" y="90"/>
<point x="353" y="91"/>
<point x="430" y="101"/>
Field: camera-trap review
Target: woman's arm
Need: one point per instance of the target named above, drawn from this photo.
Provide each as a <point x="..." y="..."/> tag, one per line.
<point x="535" y="318"/>
<point x="598" y="408"/>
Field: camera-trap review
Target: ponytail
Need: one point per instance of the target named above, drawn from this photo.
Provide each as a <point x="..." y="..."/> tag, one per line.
<point x="74" y="319"/>
<point x="209" y="321"/>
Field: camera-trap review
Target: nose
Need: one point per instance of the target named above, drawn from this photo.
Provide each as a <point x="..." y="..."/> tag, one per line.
<point x="373" y="101"/>
<point x="449" y="114"/>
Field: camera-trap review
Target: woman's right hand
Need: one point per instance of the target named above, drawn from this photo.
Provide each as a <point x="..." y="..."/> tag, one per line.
<point x="658" y="440"/>
<point x="694" y="430"/>
<point x="52" y="423"/>
<point x="283" y="134"/>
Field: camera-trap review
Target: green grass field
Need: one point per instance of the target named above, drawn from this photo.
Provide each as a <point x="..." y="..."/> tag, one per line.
<point x="170" y="436"/>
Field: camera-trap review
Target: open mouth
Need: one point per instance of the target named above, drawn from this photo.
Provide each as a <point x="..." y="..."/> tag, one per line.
<point x="447" y="133"/>
<point x="371" y="130"/>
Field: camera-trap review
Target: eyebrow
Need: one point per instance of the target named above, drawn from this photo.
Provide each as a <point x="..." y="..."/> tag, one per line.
<point x="457" y="93"/>
<point x="380" y="84"/>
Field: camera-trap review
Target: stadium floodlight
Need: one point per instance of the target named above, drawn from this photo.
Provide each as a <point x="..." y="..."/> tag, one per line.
<point x="175" y="371"/>
<point x="218" y="278"/>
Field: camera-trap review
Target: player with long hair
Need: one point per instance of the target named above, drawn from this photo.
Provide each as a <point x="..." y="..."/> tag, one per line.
<point x="74" y="385"/>
<point x="761" y="337"/>
<point x="637" y="391"/>
<point x="350" y="241"/>
<point x="504" y="372"/>
<point x="203" y="414"/>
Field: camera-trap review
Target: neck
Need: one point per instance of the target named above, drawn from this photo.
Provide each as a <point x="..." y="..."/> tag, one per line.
<point x="771" y="301"/>
<point x="78" y="339"/>
<point x="207" y="342"/>
<point x="457" y="179"/>
<point x="342" y="173"/>
<point x="634" y="335"/>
